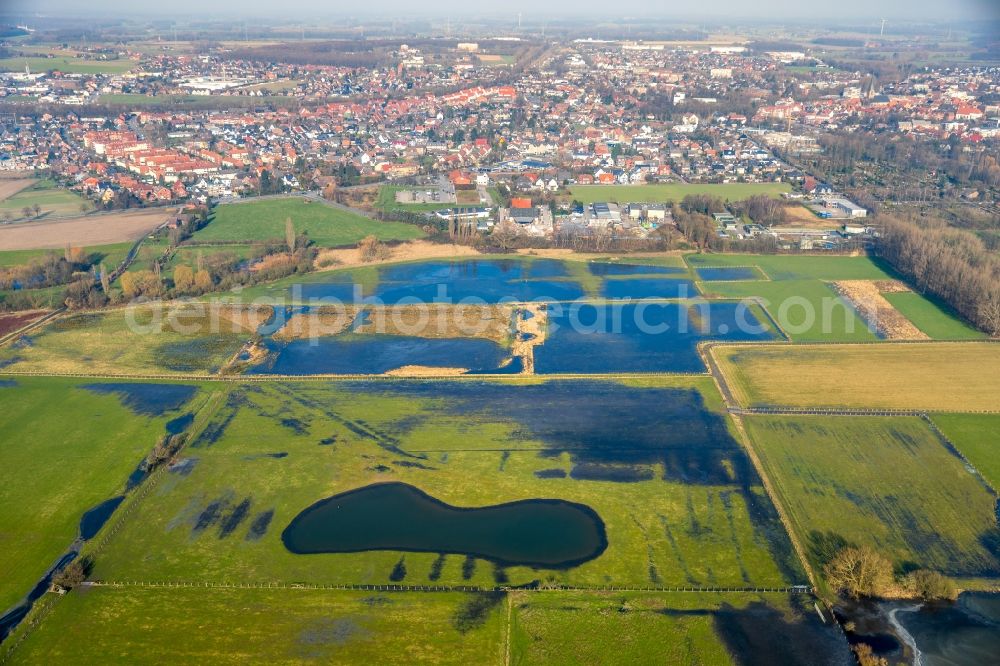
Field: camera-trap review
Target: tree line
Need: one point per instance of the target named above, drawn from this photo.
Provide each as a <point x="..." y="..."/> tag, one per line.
<point x="950" y="264"/>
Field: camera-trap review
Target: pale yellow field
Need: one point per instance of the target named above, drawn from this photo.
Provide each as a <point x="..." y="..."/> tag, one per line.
<point x="932" y="376"/>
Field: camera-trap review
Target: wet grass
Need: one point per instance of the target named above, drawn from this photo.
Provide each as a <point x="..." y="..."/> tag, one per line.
<point x="63" y="450"/>
<point x="702" y="519"/>
<point x="575" y="628"/>
<point x="977" y="436"/>
<point x="222" y="626"/>
<point x="939" y="376"/>
<point x="135" y="340"/>
<point x="888" y="482"/>
<point x="797" y="267"/>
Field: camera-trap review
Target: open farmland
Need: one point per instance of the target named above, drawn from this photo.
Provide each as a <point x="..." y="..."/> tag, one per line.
<point x="673" y="192"/>
<point x="934" y="319"/>
<point x="977" y="436"/>
<point x="62" y="472"/>
<point x="702" y="628"/>
<point x="67" y="65"/>
<point x="678" y="499"/>
<point x="233" y="626"/>
<point x="929" y="376"/>
<point x="51" y="199"/>
<point x="10" y="187"/>
<point x="327" y="226"/>
<point x="888" y="482"/>
<point x="149" y="339"/>
<point x="103" y="229"/>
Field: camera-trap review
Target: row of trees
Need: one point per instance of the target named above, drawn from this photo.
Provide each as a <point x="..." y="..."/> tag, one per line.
<point x="950" y="264"/>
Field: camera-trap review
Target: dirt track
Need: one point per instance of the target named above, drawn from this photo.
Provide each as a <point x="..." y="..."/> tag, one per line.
<point x="82" y="231"/>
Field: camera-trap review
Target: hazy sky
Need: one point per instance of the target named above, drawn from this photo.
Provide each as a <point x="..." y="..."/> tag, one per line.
<point x="846" y="11"/>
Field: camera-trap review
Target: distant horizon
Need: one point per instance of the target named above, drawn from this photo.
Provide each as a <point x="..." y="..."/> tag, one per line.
<point x="720" y="11"/>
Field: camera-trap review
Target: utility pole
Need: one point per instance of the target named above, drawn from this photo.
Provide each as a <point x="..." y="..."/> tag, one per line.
<point x="881" y="32"/>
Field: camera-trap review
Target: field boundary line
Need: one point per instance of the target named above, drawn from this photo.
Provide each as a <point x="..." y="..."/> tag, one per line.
<point x="13" y="335"/>
<point x="394" y="587"/>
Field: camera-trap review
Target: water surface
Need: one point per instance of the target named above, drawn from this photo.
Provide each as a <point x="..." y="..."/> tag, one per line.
<point x="543" y="533"/>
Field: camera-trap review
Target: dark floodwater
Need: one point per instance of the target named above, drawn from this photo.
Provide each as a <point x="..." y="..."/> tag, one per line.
<point x="491" y="280"/>
<point x="636" y="288"/>
<point x="959" y="634"/>
<point x="722" y="274"/>
<point x="374" y="354"/>
<point x="94" y="519"/>
<point x="646" y="337"/>
<point x="544" y="533"/>
<point x="147" y="399"/>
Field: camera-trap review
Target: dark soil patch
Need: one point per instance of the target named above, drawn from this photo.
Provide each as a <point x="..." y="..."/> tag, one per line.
<point x="259" y="525"/>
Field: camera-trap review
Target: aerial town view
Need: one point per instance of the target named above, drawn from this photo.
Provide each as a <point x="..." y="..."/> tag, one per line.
<point x="448" y="333"/>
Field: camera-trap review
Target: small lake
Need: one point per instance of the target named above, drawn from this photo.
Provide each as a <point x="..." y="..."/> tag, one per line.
<point x="966" y="632"/>
<point x="542" y="533"/>
<point x="640" y="337"/>
<point x="603" y="269"/>
<point x="375" y="354"/>
<point x="649" y="288"/>
<point x="491" y="280"/>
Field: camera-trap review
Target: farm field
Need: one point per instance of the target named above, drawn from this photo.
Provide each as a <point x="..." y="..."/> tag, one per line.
<point x="660" y="193"/>
<point x="86" y="231"/>
<point x="110" y="255"/>
<point x="60" y="472"/>
<point x="53" y="200"/>
<point x="797" y="267"/>
<point x="680" y="504"/>
<point x="10" y="187"/>
<point x="224" y="626"/>
<point x="930" y="376"/>
<point x="67" y="65"/>
<point x="327" y="226"/>
<point x="703" y="628"/>
<point x="888" y="482"/>
<point x="933" y="319"/>
<point x="140" y="339"/>
<point x="977" y="436"/>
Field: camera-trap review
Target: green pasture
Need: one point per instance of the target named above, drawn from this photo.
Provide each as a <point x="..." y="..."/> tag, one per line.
<point x="66" y="65"/>
<point x="277" y="448"/>
<point x="63" y="449"/>
<point x="977" y="436"/>
<point x="49" y="196"/>
<point x="935" y="319"/>
<point x="887" y="482"/>
<point x="327" y="226"/>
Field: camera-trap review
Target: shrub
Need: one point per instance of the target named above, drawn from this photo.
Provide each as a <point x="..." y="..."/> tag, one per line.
<point x="859" y="571"/>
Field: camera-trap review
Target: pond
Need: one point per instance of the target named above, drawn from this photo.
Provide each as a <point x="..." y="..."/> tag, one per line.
<point x="491" y="280"/>
<point x="728" y="273"/>
<point x="640" y="337"/>
<point x="541" y="533"/>
<point x="374" y="354"/>
<point x="602" y="269"/>
<point x="649" y="288"/>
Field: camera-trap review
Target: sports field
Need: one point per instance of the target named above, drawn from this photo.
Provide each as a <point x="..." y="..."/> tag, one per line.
<point x="888" y="482"/>
<point x="933" y="376"/>
<point x="327" y="226"/>
<point x="674" y="192"/>
<point x="53" y="474"/>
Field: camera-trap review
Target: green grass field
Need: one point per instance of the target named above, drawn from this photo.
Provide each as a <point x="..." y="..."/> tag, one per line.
<point x="575" y="628"/>
<point x="674" y="192"/>
<point x="67" y="65"/>
<point x="718" y="529"/>
<point x="888" y="482"/>
<point x="220" y="626"/>
<point x="135" y="340"/>
<point x="977" y="436"/>
<point x="52" y="199"/>
<point x="797" y="267"/>
<point x="54" y="473"/>
<point x="934" y="319"/>
<point x="327" y="226"/>
<point x="933" y="376"/>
